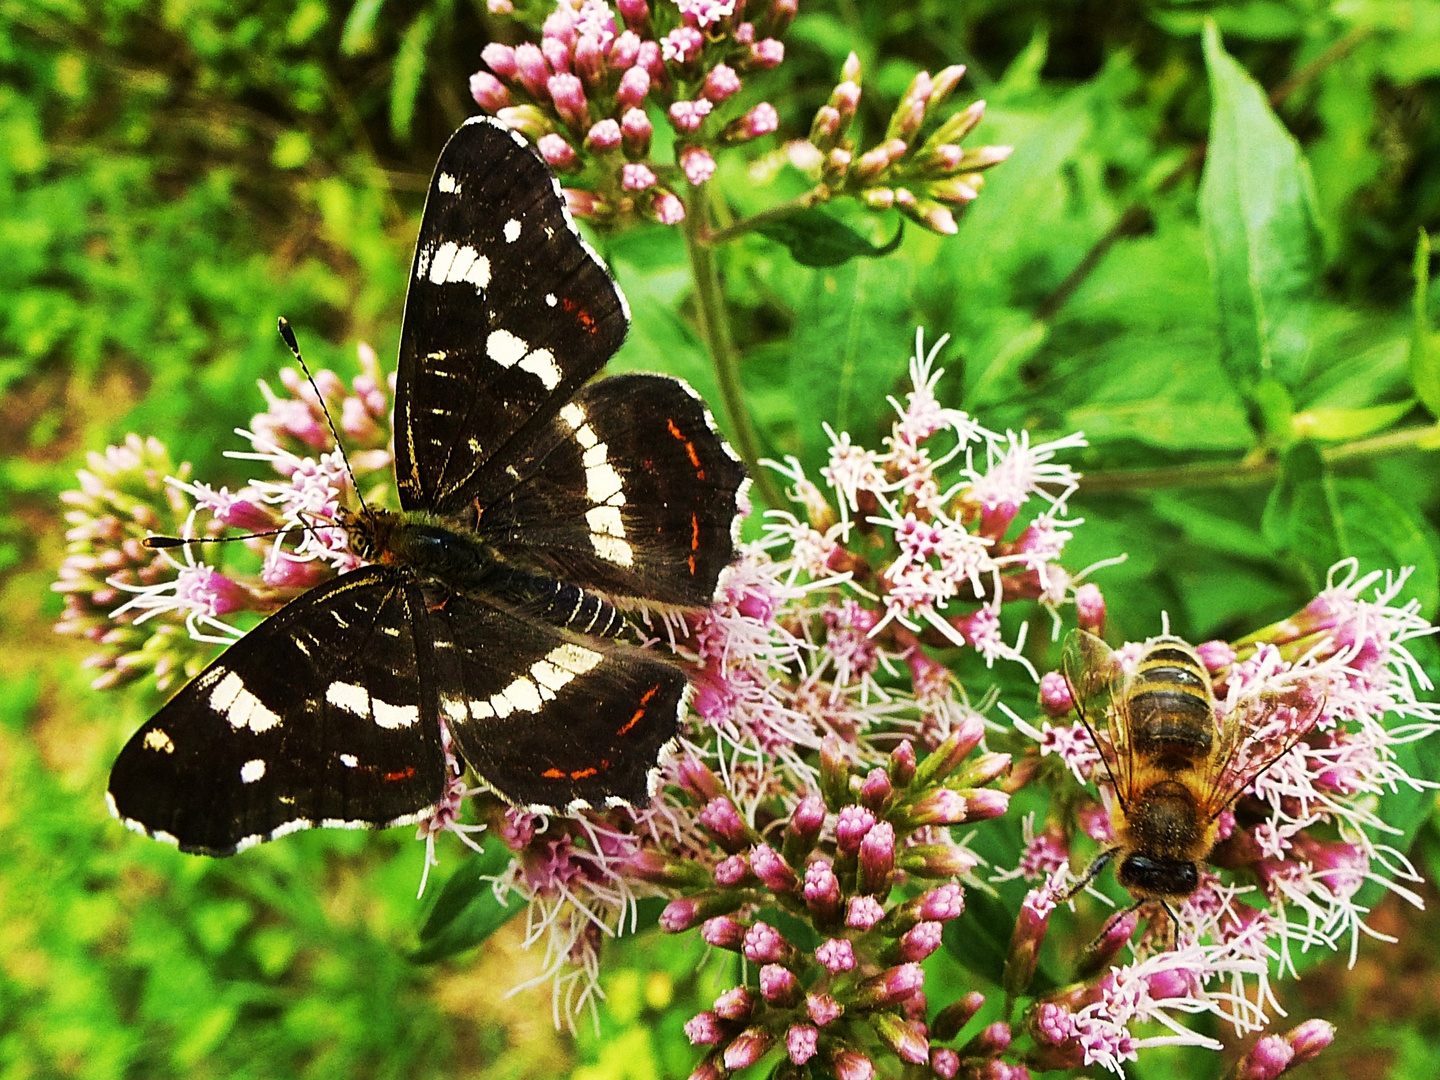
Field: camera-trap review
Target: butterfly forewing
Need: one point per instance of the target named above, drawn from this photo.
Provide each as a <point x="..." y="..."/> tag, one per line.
<point x="547" y="718"/>
<point x="628" y="491"/>
<point x="314" y="718"/>
<point x="508" y="314"/>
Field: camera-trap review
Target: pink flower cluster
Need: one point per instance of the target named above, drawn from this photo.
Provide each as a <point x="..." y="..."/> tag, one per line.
<point x="586" y="93"/>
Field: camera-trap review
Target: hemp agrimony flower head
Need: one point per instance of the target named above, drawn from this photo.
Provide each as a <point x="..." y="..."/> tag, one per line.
<point x="1293" y="851"/>
<point x="586" y="92"/>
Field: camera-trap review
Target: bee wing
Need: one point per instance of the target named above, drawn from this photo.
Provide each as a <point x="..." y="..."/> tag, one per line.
<point x="1254" y="735"/>
<point x="1096" y="685"/>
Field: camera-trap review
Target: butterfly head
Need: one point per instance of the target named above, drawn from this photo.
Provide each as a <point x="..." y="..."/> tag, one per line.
<point x="369" y="531"/>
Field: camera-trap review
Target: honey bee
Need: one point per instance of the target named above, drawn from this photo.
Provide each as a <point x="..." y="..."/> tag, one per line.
<point x="1173" y="764"/>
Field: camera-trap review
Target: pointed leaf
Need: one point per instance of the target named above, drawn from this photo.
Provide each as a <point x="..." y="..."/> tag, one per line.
<point x="1257" y="205"/>
<point x="466" y="911"/>
<point x="409" y="70"/>
<point x="815" y="238"/>
<point x="1302" y="518"/>
<point x="1424" y="353"/>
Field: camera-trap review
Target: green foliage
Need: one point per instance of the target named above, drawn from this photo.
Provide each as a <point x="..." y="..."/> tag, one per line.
<point x="1251" y="350"/>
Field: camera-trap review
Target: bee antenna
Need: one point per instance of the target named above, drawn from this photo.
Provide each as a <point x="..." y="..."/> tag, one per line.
<point x="289" y="336"/>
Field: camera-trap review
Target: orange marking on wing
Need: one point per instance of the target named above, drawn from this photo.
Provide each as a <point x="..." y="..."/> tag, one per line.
<point x="691" y="562"/>
<point x="586" y="319"/>
<point x="694" y="533"/>
<point x="581" y="774"/>
<point x="640" y="712"/>
<point x="675" y="430"/>
<point x="553" y="774"/>
<point x="403" y="774"/>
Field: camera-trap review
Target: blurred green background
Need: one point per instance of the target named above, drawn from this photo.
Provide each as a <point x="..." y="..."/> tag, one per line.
<point x="174" y="175"/>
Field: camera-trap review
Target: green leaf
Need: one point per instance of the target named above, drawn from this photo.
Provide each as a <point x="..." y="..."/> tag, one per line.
<point x="466" y="911"/>
<point x="1257" y="205"/>
<point x="1302" y="518"/>
<point x="1337" y="423"/>
<point x="815" y="238"/>
<point x="409" y="70"/>
<point x="1385" y="534"/>
<point x="1424" y="354"/>
<point x="849" y="350"/>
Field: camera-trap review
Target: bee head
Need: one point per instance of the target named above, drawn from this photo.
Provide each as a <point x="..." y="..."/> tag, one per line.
<point x="1155" y="878"/>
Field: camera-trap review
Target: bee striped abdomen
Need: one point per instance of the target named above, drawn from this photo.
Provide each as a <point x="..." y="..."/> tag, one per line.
<point x="1172" y="719"/>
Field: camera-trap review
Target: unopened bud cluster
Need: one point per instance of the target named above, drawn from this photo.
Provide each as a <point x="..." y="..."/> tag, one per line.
<point x="589" y="94"/>
<point x="927" y="179"/>
<point x="868" y="863"/>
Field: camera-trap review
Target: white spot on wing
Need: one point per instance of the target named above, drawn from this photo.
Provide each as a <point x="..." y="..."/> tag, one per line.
<point x="448" y="184"/>
<point x="541" y="364"/>
<point x="348" y="696"/>
<point x="601" y="481"/>
<point x="349" y="760"/>
<point x="441" y="261"/>
<point x="395" y="716"/>
<point x="605" y="519"/>
<point x="512" y="231"/>
<point x="242" y="708"/>
<point x="158" y="740"/>
<point x="252" y="770"/>
<point x="573" y="415"/>
<point x="612" y="549"/>
<point x="505" y="348"/>
<point x="550" y="300"/>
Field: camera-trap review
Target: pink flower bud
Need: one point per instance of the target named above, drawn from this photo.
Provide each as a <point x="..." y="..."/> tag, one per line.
<point x="834" y="772"/>
<point x="697" y="165"/>
<point x="822" y="892"/>
<point x="801" y="1042"/>
<point x="745" y="33"/>
<point x="731" y="871"/>
<point x="636" y="13"/>
<point x="667" y="208"/>
<point x="836" y="955"/>
<point x="982" y="804"/>
<point x="936" y="860"/>
<point x="1030" y="928"/>
<point x="944" y="1063"/>
<point x="735" y="1004"/>
<point x="724" y="932"/>
<point x="982" y="770"/>
<point x="558" y="153"/>
<point x="902" y="763"/>
<point x="568" y="93"/>
<point x="943" y="903"/>
<point x="764" y="945"/>
<point x="747" y="1048"/>
<point x="680" y="915"/>
<point x="875" y="791"/>
<point x="823" y="1009"/>
<point x="281" y="571"/>
<point x="560" y="25"/>
<point x="992" y="1042"/>
<point x="1090" y="608"/>
<point x="500" y="59"/>
<point x="767" y="54"/>
<point x="703" y="1029"/>
<point x="877" y="859"/>
<point x="946" y="757"/>
<point x="1215" y="655"/>
<point x="709" y="1069"/>
<point x="920" y="941"/>
<point x="723" y="822"/>
<point x="687" y="116"/>
<point x="682" y="45"/>
<point x="636" y="177"/>
<point x="650" y="59"/>
<point x="721" y="83"/>
<point x="772" y="870"/>
<point x="851" y="826"/>
<point x="1055" y="696"/>
<point x="590" y="60"/>
<point x="890" y="987"/>
<point x="803" y="829"/>
<point x="531" y="70"/>
<point x="636" y="130"/>
<point x="1101" y="953"/>
<point x="557" y="55"/>
<point x="489" y="92"/>
<point x="905" y="1037"/>
<point x="625" y="50"/>
<point x="778" y="985"/>
<point x="851" y="1065"/>
<point x="1309" y="1039"/>
<point x="940" y="807"/>
<point x="634" y="85"/>
<point x="603" y="136"/>
<point x="1268" y="1059"/>
<point x="863" y="913"/>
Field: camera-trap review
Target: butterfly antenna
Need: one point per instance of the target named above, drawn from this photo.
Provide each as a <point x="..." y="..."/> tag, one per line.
<point x="162" y="543"/>
<point x="289" y="336"/>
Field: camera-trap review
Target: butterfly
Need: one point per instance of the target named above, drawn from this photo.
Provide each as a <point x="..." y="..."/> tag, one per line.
<point x="536" y="507"/>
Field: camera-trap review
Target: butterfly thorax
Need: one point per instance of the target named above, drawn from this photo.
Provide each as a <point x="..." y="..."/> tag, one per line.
<point x="422" y="544"/>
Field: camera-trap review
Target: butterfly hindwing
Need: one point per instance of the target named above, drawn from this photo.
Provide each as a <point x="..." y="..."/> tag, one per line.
<point x="314" y="718"/>
<point x="547" y="718"/>
<point x="509" y="312"/>
<point x="628" y="490"/>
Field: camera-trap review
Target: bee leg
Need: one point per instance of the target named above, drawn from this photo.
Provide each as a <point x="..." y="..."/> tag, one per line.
<point x="1097" y="864"/>
<point x="1172" y="926"/>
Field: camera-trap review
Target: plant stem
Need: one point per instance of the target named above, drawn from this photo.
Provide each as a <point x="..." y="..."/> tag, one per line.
<point x="744" y="225"/>
<point x="715" y="330"/>
<point x="1254" y="470"/>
